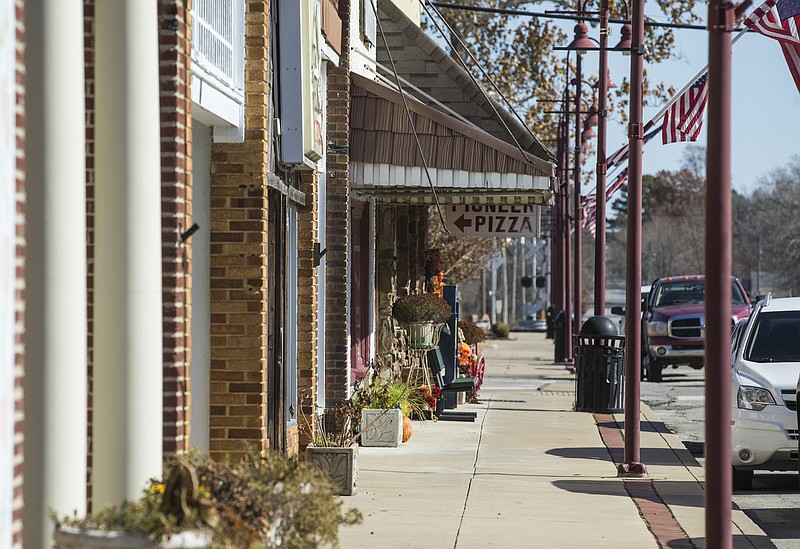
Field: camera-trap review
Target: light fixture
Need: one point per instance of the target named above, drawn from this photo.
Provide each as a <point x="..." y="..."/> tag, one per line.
<point x="592" y="119"/>
<point x="610" y="84"/>
<point x="625" y="42"/>
<point x="581" y="43"/>
<point x="588" y="132"/>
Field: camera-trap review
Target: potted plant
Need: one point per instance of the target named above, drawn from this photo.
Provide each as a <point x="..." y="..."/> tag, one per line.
<point x="388" y="414"/>
<point x="470" y="362"/>
<point x="335" y="450"/>
<point x="264" y="501"/>
<point x="422" y="316"/>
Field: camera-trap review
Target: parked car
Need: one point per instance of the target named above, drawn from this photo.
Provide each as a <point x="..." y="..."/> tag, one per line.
<point x="644" y="292"/>
<point x="673" y="322"/>
<point x="765" y="354"/>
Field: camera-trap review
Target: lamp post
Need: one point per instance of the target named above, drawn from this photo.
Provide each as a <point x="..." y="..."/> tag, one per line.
<point x="633" y="465"/>
<point x="718" y="270"/>
<point x="580" y="44"/>
<point x="600" y="190"/>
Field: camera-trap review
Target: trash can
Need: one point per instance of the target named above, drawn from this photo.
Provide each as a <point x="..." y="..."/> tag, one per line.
<point x="559" y="327"/>
<point x="550" y="322"/>
<point x="599" y="365"/>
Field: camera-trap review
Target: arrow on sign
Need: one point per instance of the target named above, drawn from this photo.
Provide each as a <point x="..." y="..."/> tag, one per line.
<point x="461" y="222"/>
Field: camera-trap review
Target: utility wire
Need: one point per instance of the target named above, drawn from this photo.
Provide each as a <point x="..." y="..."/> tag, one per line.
<point x="505" y="11"/>
<point x="483" y="72"/>
<point x="410" y="118"/>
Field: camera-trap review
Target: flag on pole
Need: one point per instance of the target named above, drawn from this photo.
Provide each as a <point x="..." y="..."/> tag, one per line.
<point x="621" y="155"/>
<point x="779" y="19"/>
<point x="684" y="119"/>
<point x="617" y="184"/>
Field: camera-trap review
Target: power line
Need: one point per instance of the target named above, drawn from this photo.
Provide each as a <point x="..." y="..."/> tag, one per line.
<point x="571" y="17"/>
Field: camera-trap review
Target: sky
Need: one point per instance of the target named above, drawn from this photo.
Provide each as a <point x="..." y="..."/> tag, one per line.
<point x="765" y="103"/>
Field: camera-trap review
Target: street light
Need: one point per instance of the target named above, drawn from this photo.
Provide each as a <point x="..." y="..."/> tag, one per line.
<point x="580" y="45"/>
<point x="632" y="43"/>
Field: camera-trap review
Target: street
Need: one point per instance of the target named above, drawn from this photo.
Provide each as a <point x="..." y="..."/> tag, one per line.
<point x="774" y="502"/>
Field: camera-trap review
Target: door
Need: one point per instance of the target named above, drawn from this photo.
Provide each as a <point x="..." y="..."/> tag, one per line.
<point x="276" y="254"/>
<point x="359" y="290"/>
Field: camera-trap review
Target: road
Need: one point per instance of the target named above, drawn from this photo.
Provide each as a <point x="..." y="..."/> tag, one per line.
<point x="774" y="501"/>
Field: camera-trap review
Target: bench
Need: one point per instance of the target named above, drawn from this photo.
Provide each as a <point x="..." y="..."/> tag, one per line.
<point x="457" y="385"/>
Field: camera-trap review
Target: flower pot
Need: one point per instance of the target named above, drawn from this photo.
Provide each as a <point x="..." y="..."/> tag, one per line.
<point x="407" y="428"/>
<point x="423" y="336"/>
<point x="78" y="538"/>
<point x="341" y="464"/>
<point x="382" y="427"/>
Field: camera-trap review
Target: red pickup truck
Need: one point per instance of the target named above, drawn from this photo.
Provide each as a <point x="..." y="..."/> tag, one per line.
<point x="673" y="322"/>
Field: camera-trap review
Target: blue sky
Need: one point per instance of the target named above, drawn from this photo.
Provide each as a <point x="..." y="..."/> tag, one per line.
<point x="765" y="110"/>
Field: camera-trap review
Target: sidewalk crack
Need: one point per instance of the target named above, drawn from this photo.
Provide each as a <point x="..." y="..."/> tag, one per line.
<point x="474" y="473"/>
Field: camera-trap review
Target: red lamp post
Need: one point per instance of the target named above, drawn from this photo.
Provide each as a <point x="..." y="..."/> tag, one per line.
<point x="718" y="270"/>
<point x="633" y="465"/>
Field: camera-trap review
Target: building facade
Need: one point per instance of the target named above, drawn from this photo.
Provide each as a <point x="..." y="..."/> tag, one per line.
<point x="207" y="210"/>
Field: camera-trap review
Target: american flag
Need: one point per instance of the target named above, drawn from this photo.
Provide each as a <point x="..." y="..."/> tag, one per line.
<point x="617" y="184"/>
<point x="621" y="155"/>
<point x="779" y="19"/>
<point x="684" y="119"/>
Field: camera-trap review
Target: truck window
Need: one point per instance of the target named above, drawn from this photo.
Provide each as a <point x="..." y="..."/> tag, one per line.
<point x="683" y="292"/>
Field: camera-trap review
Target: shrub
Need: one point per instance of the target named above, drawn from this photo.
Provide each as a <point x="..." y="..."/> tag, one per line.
<point x="472" y="332"/>
<point x="425" y="307"/>
<point x="500" y="329"/>
<point x="263" y="501"/>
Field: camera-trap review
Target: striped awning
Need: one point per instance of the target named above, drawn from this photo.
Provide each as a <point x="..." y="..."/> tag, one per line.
<point x="465" y="164"/>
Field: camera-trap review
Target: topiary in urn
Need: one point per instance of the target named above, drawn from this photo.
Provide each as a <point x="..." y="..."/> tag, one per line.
<point x="427" y="307"/>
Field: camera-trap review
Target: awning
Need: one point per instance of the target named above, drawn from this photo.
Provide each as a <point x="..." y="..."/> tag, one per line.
<point x="466" y="165"/>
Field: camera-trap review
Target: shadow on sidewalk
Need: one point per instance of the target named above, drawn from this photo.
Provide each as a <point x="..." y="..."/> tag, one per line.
<point x="616" y="487"/>
<point x="650" y="456"/>
<point x="645" y="426"/>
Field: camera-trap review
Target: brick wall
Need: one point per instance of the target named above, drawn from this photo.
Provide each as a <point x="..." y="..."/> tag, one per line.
<point x="239" y="262"/>
<point x="19" y="298"/>
<point x="307" y="311"/>
<point x="338" y="206"/>
<point x="88" y="53"/>
<point x="175" y="91"/>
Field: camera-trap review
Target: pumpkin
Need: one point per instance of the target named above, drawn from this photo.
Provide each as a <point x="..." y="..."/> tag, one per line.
<point x="407" y="428"/>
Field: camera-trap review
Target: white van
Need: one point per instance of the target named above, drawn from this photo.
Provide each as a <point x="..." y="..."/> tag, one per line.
<point x="765" y="353"/>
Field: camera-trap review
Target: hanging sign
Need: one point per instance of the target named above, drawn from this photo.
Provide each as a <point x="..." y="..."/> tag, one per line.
<point x="506" y="220"/>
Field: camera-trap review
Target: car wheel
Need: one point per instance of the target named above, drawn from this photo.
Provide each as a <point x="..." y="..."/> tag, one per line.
<point x="742" y="479"/>
<point x="653" y="368"/>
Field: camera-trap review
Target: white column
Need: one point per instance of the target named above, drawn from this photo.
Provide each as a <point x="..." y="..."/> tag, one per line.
<point x="201" y="286"/>
<point x="128" y="318"/>
<point x="56" y="327"/>
<point x="8" y="266"/>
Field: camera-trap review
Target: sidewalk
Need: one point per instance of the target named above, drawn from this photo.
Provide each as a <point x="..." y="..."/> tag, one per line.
<point x="530" y="473"/>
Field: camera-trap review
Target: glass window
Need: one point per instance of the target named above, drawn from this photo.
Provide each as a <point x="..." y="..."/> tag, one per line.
<point x="775" y="337"/>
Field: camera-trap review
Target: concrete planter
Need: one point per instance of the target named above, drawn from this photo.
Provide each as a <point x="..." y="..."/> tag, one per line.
<point x="340" y="463"/>
<point x="77" y="538"/>
<point x="382" y="427"/>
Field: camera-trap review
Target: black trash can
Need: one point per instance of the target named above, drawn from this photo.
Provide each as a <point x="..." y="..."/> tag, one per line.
<point x="550" y="321"/>
<point x="599" y="365"/>
<point x="559" y="328"/>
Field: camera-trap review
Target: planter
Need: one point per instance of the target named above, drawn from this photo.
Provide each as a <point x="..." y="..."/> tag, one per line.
<point x="423" y="336"/>
<point x="77" y="538"/>
<point x="382" y="427"/>
<point x="408" y="428"/>
<point x="341" y="464"/>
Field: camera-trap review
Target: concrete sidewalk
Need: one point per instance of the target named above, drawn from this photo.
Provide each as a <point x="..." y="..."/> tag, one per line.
<point x="530" y="472"/>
